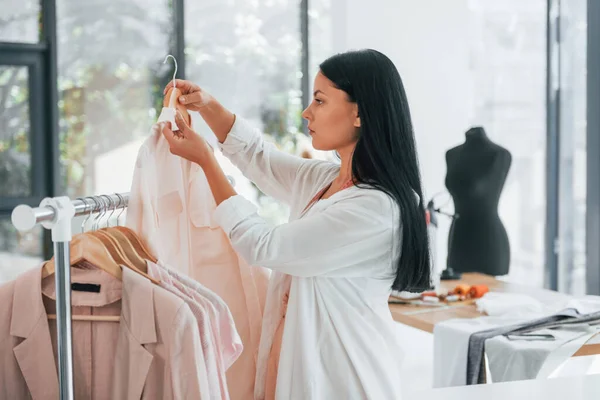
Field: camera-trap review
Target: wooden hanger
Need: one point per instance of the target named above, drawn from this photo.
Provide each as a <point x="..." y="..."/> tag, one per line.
<point x="91" y="249"/>
<point x="137" y="243"/>
<point x="179" y="107"/>
<point x="127" y="247"/>
<point x="114" y="249"/>
<point x="173" y="94"/>
<point x="87" y="248"/>
<point x="104" y="252"/>
<point x="134" y="240"/>
<point x="120" y="247"/>
<point x="118" y="254"/>
<point x="97" y="318"/>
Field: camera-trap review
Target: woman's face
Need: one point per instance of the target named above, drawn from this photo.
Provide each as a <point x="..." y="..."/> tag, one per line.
<point x="333" y="120"/>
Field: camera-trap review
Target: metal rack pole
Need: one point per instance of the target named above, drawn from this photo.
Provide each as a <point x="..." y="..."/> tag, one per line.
<point x="57" y="214"/>
<point x="62" y="279"/>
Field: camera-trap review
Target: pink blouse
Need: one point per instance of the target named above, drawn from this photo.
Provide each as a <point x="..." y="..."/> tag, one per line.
<point x="171" y="207"/>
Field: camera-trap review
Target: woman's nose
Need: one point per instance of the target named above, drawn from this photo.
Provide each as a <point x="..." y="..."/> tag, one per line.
<point x="306" y="113"/>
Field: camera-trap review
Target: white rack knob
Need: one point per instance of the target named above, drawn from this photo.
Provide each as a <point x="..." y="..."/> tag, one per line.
<point x="24" y="218"/>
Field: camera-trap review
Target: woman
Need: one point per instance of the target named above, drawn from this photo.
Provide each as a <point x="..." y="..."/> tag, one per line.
<point x="356" y="231"/>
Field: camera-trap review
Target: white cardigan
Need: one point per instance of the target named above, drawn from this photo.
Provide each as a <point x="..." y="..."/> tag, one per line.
<point x="339" y="257"/>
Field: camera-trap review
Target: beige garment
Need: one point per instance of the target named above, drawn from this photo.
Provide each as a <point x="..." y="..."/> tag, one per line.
<point x="171" y="207"/>
<point x="154" y="351"/>
<point x="92" y="363"/>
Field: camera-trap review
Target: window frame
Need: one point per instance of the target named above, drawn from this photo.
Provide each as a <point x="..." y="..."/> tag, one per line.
<point x="32" y="59"/>
<point x="41" y="60"/>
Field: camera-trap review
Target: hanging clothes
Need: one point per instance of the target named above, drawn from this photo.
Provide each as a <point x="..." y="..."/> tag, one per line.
<point x="215" y="371"/>
<point x="171" y="208"/>
<point x="336" y="260"/>
<point x="226" y="336"/>
<point x="220" y="340"/>
<point x="154" y="352"/>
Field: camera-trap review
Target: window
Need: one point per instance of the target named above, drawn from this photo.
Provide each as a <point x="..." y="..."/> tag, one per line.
<point x="508" y="60"/>
<point x="572" y="145"/>
<point x="110" y="81"/>
<point x="18" y="251"/>
<point x="320" y="36"/>
<point x="22" y="159"/>
<point x="15" y="134"/>
<point x="19" y="21"/>
<point x="247" y="55"/>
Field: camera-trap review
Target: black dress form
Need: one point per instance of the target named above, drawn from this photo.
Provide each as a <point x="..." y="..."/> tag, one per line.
<point x="476" y="172"/>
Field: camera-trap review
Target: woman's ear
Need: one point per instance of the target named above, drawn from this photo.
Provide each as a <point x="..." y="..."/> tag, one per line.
<point x="357" y="117"/>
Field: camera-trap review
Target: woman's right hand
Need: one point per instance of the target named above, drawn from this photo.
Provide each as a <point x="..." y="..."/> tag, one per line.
<point x="218" y="118"/>
<point x="193" y="97"/>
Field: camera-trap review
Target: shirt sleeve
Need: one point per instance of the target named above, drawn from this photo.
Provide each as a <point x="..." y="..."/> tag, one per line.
<point x="342" y="240"/>
<point x="272" y="170"/>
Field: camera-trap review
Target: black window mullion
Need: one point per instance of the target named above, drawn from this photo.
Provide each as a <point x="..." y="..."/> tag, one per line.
<point x="39" y="160"/>
<point x="179" y="36"/>
<point x="50" y="105"/>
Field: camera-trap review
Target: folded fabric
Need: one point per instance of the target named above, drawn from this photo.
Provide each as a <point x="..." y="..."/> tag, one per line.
<point x="511" y="360"/>
<point x="498" y="304"/>
<point x="475" y="359"/>
<point x="585" y="304"/>
<point x="451" y="345"/>
<point x="451" y="338"/>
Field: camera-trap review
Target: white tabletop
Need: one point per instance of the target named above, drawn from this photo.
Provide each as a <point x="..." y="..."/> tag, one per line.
<point x="584" y="387"/>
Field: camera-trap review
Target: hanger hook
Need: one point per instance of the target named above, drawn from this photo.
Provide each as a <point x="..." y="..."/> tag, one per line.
<point x="85" y="206"/>
<point x="106" y="208"/>
<point x="96" y="206"/>
<point x="101" y="211"/>
<point x="174" y="73"/>
<point x="121" y="205"/>
<point x="97" y="209"/>
<point x="113" y="206"/>
<point x="90" y="212"/>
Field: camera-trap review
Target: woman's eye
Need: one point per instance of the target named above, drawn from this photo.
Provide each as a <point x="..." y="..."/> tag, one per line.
<point x="318" y="101"/>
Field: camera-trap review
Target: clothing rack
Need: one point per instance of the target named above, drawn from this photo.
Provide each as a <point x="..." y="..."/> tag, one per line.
<point x="57" y="214"/>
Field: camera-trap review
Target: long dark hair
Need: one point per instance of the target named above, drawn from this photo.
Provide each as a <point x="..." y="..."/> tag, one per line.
<point x="385" y="156"/>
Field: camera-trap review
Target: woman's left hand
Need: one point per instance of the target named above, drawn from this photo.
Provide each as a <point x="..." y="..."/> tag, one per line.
<point x="185" y="142"/>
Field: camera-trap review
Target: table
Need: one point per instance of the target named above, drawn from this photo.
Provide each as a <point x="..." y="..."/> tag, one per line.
<point x="425" y="318"/>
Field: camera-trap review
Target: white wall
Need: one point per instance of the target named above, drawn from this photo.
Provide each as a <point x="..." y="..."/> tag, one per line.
<point x="431" y="51"/>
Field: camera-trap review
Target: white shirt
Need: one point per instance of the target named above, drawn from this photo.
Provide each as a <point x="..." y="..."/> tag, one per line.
<point x="339" y="257"/>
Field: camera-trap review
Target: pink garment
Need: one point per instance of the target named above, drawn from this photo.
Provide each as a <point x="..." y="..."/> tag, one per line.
<point x="153" y="352"/>
<point x="171" y="208"/>
<point x="228" y="339"/>
<point x="215" y="370"/>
